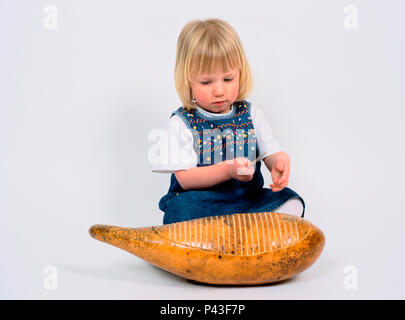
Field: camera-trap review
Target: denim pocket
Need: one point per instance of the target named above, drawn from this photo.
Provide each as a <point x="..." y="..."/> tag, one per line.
<point x="165" y="200"/>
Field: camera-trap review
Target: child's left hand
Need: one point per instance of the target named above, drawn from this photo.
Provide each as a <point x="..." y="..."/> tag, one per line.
<point x="280" y="173"/>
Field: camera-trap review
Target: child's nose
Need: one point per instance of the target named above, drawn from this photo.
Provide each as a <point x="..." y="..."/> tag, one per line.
<point x="219" y="90"/>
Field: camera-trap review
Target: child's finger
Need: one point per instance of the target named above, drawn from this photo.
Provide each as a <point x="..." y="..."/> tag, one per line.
<point x="245" y="171"/>
<point x="277" y="185"/>
<point x="275" y="175"/>
<point x="280" y="166"/>
<point x="279" y="180"/>
<point x="284" y="177"/>
<point x="282" y="182"/>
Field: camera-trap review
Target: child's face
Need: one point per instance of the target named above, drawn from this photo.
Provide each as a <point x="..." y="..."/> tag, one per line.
<point x="215" y="87"/>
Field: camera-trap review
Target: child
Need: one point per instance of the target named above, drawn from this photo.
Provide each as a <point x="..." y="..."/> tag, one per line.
<point x="221" y="134"/>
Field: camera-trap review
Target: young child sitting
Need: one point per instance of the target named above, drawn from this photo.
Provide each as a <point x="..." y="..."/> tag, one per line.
<point x="222" y="134"/>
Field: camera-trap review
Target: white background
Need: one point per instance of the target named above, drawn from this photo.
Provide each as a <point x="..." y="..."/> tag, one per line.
<point x="77" y="104"/>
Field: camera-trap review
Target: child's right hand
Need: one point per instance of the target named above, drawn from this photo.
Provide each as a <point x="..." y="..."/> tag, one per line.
<point x="240" y="169"/>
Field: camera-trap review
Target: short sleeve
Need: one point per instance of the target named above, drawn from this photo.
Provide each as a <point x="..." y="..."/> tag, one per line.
<point x="176" y="151"/>
<point x="266" y="141"/>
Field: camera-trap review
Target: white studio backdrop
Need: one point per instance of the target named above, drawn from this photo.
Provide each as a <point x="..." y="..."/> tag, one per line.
<point x="83" y="83"/>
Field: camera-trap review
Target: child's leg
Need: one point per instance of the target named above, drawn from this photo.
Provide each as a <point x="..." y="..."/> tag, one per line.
<point x="292" y="206"/>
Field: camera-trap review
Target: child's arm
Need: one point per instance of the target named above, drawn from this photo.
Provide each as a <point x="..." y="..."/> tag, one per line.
<point x="208" y="176"/>
<point x="279" y="165"/>
<point x="202" y="177"/>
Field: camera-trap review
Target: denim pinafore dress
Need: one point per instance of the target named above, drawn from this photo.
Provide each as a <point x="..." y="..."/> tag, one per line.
<point x="218" y="139"/>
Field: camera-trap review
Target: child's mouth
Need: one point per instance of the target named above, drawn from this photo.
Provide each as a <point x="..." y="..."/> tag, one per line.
<point x="219" y="103"/>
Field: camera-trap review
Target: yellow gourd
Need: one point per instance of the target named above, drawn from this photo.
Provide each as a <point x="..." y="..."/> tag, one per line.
<point x="236" y="249"/>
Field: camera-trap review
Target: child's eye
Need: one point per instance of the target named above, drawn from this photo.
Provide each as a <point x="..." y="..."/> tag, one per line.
<point x="207" y="82"/>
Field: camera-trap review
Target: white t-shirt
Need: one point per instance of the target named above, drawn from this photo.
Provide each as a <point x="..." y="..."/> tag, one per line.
<point x="180" y="154"/>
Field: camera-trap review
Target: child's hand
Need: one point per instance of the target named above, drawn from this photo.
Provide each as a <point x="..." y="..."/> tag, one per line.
<point x="280" y="173"/>
<point x="240" y="169"/>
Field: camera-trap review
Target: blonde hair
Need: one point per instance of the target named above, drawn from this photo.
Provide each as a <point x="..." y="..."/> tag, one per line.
<point x="204" y="46"/>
